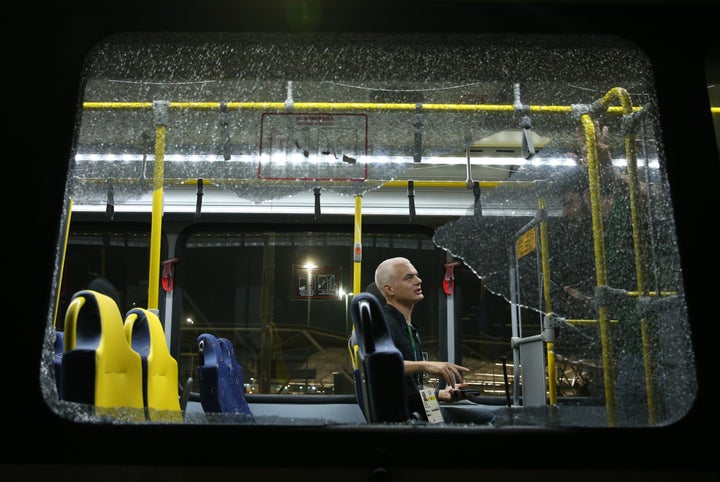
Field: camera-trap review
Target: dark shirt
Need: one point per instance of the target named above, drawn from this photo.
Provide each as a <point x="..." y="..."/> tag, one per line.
<point x="411" y="349"/>
<point x="398" y="328"/>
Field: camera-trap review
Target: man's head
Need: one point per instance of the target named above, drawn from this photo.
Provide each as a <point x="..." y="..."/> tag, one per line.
<point x="399" y="282"/>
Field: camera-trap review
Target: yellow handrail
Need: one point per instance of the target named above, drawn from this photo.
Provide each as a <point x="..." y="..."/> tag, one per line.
<point x="345" y="106"/>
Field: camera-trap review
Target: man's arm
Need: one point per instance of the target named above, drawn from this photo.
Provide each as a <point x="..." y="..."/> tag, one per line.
<point x="450" y="372"/>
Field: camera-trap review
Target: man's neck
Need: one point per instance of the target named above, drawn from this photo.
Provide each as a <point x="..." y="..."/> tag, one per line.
<point x="405" y="310"/>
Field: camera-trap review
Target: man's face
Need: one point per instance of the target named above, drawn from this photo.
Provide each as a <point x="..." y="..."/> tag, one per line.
<point x="407" y="285"/>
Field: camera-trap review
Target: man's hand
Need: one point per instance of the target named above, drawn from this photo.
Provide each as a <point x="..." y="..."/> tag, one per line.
<point x="452" y="394"/>
<point x="450" y="372"/>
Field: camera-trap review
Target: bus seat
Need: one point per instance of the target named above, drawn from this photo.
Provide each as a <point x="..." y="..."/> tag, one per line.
<point x="160" y="370"/>
<point x="220" y="378"/>
<point x="99" y="367"/>
<point x="57" y="360"/>
<point x="353" y="348"/>
<point x="380" y="372"/>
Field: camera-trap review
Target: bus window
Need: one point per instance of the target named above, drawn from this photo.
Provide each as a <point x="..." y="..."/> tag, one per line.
<point x="259" y="184"/>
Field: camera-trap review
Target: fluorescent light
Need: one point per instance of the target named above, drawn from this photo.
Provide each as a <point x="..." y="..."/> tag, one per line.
<point x="553" y="161"/>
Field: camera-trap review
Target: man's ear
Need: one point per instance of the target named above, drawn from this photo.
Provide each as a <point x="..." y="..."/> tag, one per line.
<point x="387" y="290"/>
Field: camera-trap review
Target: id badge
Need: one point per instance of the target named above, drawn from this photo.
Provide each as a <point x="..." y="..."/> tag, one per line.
<point x="430" y="402"/>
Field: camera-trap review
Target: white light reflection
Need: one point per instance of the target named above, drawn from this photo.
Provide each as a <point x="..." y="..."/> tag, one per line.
<point x="380" y="159"/>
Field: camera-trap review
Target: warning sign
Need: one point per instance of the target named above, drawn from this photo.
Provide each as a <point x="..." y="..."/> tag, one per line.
<point x="526" y="243"/>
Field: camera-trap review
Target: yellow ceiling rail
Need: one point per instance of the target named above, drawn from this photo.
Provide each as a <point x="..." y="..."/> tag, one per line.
<point x="344" y="106"/>
<point x="428" y="183"/>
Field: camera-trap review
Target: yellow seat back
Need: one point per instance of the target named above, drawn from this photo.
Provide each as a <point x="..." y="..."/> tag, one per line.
<point x="145" y="335"/>
<point x="94" y="336"/>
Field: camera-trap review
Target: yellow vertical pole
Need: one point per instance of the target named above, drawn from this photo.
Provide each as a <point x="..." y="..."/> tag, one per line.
<point x="62" y="263"/>
<point x="357" y="272"/>
<point x="600" y="266"/>
<point x="357" y="246"/>
<point x="630" y="155"/>
<point x="160" y="109"/>
<point x="545" y="261"/>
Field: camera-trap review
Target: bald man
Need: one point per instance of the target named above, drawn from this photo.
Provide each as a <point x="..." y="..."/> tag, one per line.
<point x="399" y="283"/>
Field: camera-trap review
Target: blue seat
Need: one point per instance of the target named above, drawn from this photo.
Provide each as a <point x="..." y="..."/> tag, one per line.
<point x="220" y="379"/>
<point x="57" y="361"/>
<point x="378" y="365"/>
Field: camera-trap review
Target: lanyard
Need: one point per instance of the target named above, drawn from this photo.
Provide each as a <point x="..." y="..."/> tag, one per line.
<point x="412" y="341"/>
<point x="418" y="377"/>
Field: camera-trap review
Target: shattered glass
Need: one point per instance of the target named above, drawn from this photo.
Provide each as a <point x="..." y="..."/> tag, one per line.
<point x="266" y="117"/>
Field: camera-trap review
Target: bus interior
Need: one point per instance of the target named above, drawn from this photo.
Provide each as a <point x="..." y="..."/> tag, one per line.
<point x="246" y="186"/>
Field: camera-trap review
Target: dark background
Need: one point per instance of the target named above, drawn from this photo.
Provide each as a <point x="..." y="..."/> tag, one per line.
<point x="44" y="47"/>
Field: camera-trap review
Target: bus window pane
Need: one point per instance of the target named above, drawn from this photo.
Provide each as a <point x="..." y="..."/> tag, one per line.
<point x="526" y="184"/>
